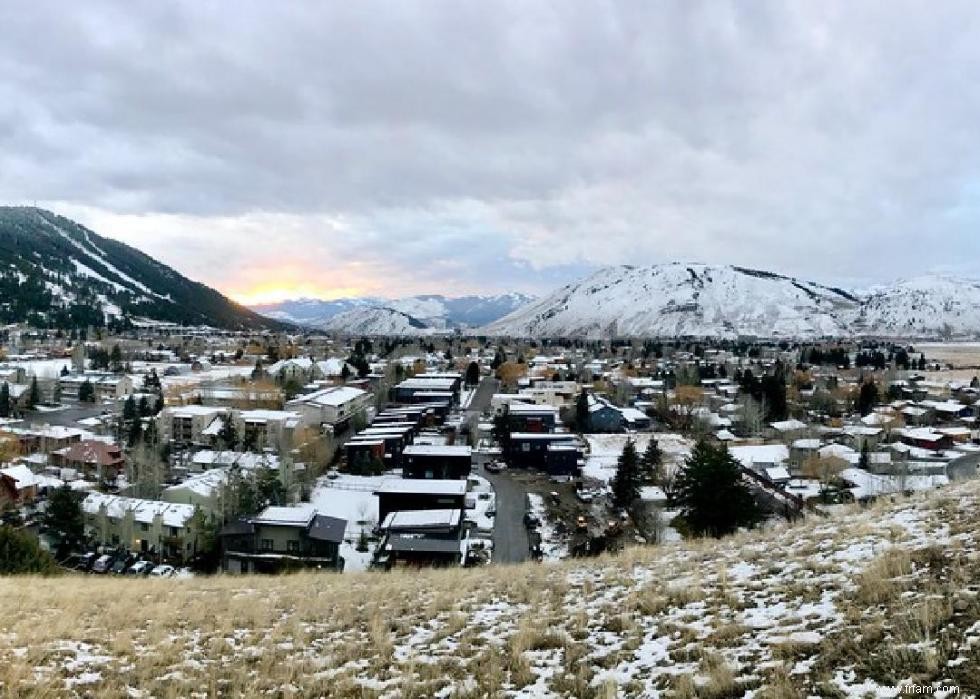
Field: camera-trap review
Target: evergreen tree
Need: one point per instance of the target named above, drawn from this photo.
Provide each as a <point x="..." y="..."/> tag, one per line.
<point x="151" y="382"/>
<point x="626" y="483"/>
<point x="135" y="432"/>
<point x="129" y="409"/>
<point x="144" y="407"/>
<point x="582" y="411"/>
<point x="258" y="372"/>
<point x="472" y="374"/>
<point x="150" y="434"/>
<point x="115" y="359"/>
<point x="228" y="434"/>
<point x="86" y="392"/>
<point x="864" y="462"/>
<point x="63" y="519"/>
<point x="710" y="493"/>
<point x="268" y="488"/>
<point x="21" y="554"/>
<point x="651" y="464"/>
<point x="499" y="358"/>
<point x="867" y="397"/>
<point x="34" y="397"/>
<point x="4" y="400"/>
<point x="501" y="430"/>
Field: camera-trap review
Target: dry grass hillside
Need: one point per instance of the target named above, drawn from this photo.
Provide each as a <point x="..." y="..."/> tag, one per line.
<point x="842" y="607"/>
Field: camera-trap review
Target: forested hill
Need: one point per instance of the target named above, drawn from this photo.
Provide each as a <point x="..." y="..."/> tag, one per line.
<point x="57" y="273"/>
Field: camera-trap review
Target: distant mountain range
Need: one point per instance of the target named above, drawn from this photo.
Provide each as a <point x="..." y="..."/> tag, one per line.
<point x="57" y="273"/>
<point x="678" y="299"/>
<point x="411" y="315"/>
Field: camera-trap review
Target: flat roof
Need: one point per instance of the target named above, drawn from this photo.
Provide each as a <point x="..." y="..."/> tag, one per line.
<point x="436" y="450"/>
<point x="411" y="519"/>
<point x="422" y="486"/>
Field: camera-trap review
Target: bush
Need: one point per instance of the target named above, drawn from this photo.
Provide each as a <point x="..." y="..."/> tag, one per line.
<point x="20" y="553"/>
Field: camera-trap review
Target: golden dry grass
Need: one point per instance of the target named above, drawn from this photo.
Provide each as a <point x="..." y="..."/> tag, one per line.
<point x="887" y="590"/>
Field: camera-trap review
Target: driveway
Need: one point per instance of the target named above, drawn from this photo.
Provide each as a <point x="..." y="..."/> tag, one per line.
<point x="510" y="543"/>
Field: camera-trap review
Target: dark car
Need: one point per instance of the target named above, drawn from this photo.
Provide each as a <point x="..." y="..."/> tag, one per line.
<point x="121" y="564"/>
<point x="531" y="520"/>
<point x="85" y="561"/>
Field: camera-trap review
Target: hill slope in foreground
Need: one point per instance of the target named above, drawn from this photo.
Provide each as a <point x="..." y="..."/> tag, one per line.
<point x="841" y="607"/>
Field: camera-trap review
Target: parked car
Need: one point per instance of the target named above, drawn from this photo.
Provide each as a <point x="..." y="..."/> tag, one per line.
<point x="102" y="564"/>
<point x="85" y="561"/>
<point x="584" y="495"/>
<point x="140" y="568"/>
<point x="495" y="467"/>
<point x="531" y="520"/>
<point x="163" y="571"/>
<point x="121" y="564"/>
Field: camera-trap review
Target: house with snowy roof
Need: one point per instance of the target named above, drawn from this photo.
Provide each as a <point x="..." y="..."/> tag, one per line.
<point x="334" y="406"/>
<point x="282" y="538"/>
<point x="147" y="526"/>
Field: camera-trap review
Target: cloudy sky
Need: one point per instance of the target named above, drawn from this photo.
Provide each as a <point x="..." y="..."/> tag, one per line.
<point x="336" y="148"/>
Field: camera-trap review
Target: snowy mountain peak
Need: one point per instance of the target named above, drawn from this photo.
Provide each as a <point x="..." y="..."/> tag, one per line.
<point x="678" y="299"/>
<point x="427" y="312"/>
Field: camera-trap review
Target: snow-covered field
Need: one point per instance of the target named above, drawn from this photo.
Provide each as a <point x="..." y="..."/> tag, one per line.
<point x="605" y="450"/>
<point x="855" y="605"/>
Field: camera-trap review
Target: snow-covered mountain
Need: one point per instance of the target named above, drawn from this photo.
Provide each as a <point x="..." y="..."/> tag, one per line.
<point x="431" y="311"/>
<point x="928" y="306"/>
<point x="370" y="320"/>
<point x="684" y="299"/>
<point x="312" y="312"/>
<point x="56" y="273"/>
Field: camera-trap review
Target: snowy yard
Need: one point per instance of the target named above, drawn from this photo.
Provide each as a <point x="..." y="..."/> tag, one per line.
<point x="352" y="498"/>
<point x="554" y="546"/>
<point x="605" y="449"/>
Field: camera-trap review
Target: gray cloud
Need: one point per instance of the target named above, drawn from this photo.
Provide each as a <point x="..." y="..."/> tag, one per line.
<point x="432" y="146"/>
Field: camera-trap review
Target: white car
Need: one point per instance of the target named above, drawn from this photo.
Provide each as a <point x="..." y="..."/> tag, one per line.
<point x="495" y="466"/>
<point x="140" y="568"/>
<point x="163" y="571"/>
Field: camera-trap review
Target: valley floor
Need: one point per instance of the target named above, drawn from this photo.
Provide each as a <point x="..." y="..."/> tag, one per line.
<point x="851" y="606"/>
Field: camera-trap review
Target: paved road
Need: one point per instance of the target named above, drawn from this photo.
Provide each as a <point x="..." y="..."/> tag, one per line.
<point x="510" y="544"/>
<point x="484" y="394"/>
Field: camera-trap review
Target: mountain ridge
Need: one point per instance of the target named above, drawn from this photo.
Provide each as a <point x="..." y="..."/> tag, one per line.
<point x="55" y="272"/>
<point x="696" y="299"/>
<point x="373" y="315"/>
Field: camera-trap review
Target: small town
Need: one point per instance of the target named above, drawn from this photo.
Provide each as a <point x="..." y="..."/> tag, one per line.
<point x="166" y="451"/>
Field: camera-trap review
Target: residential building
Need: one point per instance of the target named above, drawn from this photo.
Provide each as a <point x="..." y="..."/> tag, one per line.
<point x="283" y="538"/>
<point x="149" y="526"/>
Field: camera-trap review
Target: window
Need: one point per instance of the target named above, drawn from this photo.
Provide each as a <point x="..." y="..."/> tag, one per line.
<point x="266" y="544"/>
<point x="144" y="527"/>
<point x="174" y="531"/>
<point x="292" y="546"/>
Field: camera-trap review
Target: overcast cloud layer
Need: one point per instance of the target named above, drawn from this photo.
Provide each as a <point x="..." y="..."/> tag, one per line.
<point x="399" y="147"/>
